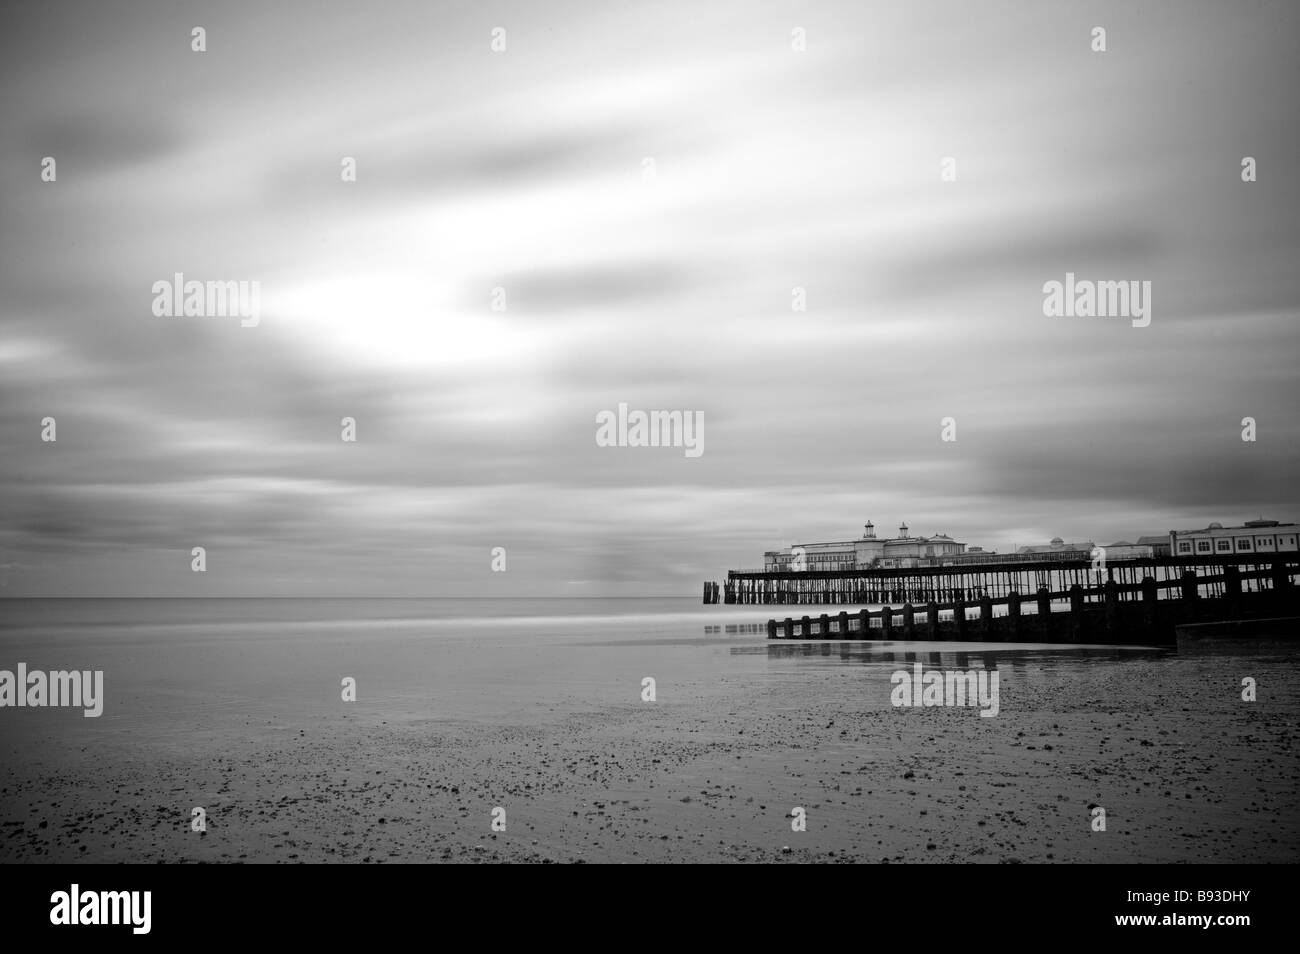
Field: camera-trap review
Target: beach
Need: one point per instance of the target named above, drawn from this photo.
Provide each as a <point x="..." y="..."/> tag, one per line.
<point x="537" y="708"/>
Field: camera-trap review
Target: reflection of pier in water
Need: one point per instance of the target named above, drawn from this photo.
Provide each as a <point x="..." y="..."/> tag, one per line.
<point x="1012" y="658"/>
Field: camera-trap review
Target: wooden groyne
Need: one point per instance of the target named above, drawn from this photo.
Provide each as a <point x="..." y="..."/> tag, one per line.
<point x="1145" y="612"/>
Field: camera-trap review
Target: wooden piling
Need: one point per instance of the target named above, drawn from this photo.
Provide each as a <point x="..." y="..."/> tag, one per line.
<point x="1077" y="619"/>
<point x="1111" y="590"/>
<point x="1232" y="588"/>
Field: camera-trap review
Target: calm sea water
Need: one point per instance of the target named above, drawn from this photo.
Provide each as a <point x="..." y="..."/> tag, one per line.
<point x="185" y="668"/>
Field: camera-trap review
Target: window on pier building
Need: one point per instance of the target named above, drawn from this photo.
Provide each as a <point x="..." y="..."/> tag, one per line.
<point x="1243" y="544"/>
<point x="1223" y="545"/>
<point x="1184" y="547"/>
<point x="1202" y="546"/>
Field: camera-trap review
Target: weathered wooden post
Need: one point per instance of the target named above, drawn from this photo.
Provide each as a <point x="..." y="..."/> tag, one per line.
<point x="1150" y="610"/>
<point x="825" y="624"/>
<point x="909" y="621"/>
<point x="986" y="615"/>
<point x="844" y="624"/>
<point x="1078" y="623"/>
<point x="959" y="616"/>
<point x="932" y="619"/>
<point x="1013" y="614"/>
<point x="789" y="628"/>
<point x="1045" y="612"/>
<point x="806" y="630"/>
<point x="1232" y="589"/>
<point x="1189" y="606"/>
<point x="864" y="624"/>
<point x="1111" y="591"/>
<point x="771" y="629"/>
<point x="886" y="622"/>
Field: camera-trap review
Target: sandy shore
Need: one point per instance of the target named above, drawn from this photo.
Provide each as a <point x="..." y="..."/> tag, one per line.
<point x="1186" y="771"/>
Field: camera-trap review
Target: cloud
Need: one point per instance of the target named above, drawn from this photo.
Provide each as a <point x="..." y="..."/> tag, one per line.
<point x="525" y="171"/>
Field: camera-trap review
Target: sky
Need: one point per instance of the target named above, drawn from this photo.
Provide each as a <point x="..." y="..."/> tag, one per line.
<point x="646" y="184"/>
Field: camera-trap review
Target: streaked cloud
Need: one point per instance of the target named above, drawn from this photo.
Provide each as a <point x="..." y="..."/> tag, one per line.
<point x="526" y="171"/>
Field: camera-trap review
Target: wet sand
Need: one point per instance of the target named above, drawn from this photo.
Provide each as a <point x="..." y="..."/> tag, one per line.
<point x="1186" y="771"/>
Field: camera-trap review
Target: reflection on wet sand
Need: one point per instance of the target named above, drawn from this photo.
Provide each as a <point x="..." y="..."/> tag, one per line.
<point x="1013" y="657"/>
<point x="737" y="629"/>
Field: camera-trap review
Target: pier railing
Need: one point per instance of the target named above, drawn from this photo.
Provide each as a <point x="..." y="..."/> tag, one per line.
<point x="969" y="582"/>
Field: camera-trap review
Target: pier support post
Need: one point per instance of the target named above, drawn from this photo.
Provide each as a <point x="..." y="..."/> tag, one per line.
<point x="844" y="624"/>
<point x="932" y="620"/>
<point x="789" y="628"/>
<point x="1189" y="585"/>
<point x="825" y="623"/>
<point x="1111" y="590"/>
<point x="806" y="631"/>
<point x="1013" y="614"/>
<point x="986" y="615"/>
<point x="864" y="624"/>
<point x="959" y="617"/>
<point x="1045" y="612"/>
<point x="1232" y="589"/>
<point x="909" y="621"/>
<point x="771" y="629"/>
<point x="886" y="622"/>
<point x="1077" y="621"/>
<point x="1150" y="611"/>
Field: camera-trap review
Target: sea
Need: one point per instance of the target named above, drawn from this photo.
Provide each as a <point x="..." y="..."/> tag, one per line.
<point x="173" y="666"/>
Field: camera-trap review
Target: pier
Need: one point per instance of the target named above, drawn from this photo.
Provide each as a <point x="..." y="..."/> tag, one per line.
<point x="1125" y="602"/>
